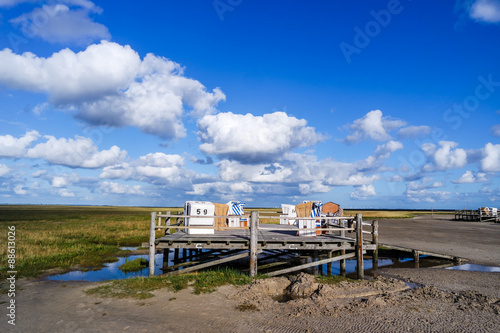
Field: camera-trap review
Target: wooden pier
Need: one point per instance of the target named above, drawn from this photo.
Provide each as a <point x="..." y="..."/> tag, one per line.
<point x="338" y="239"/>
<point x="475" y="215"/>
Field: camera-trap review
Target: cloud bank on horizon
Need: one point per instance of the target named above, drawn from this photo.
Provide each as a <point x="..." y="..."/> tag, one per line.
<point x="87" y="119"/>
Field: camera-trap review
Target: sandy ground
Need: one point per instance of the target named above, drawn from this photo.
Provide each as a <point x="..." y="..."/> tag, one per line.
<point x="445" y="301"/>
<point x="478" y="242"/>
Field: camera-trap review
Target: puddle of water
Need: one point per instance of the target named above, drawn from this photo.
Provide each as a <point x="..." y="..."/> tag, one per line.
<point x="475" y="268"/>
<point x="129" y="248"/>
<point x="110" y="271"/>
<point x="403" y="262"/>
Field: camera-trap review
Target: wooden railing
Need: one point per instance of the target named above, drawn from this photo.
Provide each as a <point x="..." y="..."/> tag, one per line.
<point x="330" y="225"/>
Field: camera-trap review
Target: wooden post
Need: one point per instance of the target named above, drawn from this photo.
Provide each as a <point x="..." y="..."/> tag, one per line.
<point x="329" y="265"/>
<point x="152" y="238"/>
<point x="165" y="258"/>
<point x="316" y="269"/>
<point x="176" y="256"/>
<point x="342" y="264"/>
<point x="359" y="247"/>
<point x="375" y="242"/>
<point x="167" y="223"/>
<point x="416" y="255"/>
<point x="254" y="219"/>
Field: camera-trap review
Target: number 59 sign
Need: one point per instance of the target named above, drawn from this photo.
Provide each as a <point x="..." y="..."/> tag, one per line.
<point x="199" y="211"/>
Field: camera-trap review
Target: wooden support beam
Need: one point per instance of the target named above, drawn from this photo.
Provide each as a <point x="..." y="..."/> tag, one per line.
<point x="375" y="242"/>
<point x="425" y="253"/>
<point x="416" y="255"/>
<point x="329" y="265"/>
<point x="165" y="258"/>
<point x="359" y="247"/>
<point x="167" y="223"/>
<point x="254" y="220"/>
<point x="152" y="238"/>
<point x="311" y="264"/>
<point x="210" y="263"/>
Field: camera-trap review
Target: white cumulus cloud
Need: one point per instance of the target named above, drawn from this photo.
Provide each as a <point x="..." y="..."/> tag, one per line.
<point x="485" y="11"/>
<point x="17" y="147"/>
<point x="71" y="78"/>
<point x="11" y="3"/>
<point x="490" y="161"/>
<point x="65" y="180"/>
<point x="4" y="169"/>
<point x="469" y="177"/>
<point x="381" y="152"/>
<point x="363" y="191"/>
<point x="227" y="191"/>
<point x="373" y="126"/>
<point x="254" y="139"/>
<point x="109" y="84"/>
<point x="495" y="130"/>
<point x="116" y="188"/>
<point x="156" y="168"/>
<point x="61" y="24"/>
<point x="66" y="193"/>
<point x="444" y="157"/>
<point x="19" y="189"/>
<point x="303" y="170"/>
<point x="79" y="152"/>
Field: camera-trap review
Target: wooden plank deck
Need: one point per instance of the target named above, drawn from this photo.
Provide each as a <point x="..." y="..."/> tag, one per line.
<point x="281" y="237"/>
<point x="475" y="215"/>
<point x="263" y="237"/>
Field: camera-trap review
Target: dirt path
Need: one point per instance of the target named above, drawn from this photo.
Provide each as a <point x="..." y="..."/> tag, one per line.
<point x="478" y="242"/>
<point x="370" y="306"/>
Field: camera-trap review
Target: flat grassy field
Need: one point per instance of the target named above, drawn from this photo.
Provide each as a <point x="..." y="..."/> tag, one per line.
<point x="64" y="237"/>
<point x="67" y="236"/>
<point x="392" y="214"/>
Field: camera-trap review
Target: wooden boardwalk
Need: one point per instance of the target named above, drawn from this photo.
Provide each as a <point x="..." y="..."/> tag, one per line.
<point x="269" y="237"/>
<point x="337" y="243"/>
<point x="475" y="215"/>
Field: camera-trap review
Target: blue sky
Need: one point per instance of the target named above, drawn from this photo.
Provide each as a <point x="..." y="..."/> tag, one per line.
<point x="380" y="104"/>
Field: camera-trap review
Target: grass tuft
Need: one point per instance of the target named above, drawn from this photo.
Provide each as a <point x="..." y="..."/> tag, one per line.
<point x="142" y="288"/>
<point x="134" y="265"/>
<point x="333" y="279"/>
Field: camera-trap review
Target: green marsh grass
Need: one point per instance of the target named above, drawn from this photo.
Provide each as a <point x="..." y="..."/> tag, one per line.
<point x="333" y="279"/>
<point x="142" y="288"/>
<point x="86" y="237"/>
<point x="391" y="214"/>
<point x="134" y="265"/>
<point x="70" y="236"/>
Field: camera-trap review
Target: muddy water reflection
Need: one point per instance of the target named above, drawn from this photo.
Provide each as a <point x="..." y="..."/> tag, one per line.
<point x="112" y="272"/>
<point x="475" y="268"/>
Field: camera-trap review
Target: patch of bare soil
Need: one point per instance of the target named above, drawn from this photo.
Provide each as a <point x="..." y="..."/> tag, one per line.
<point x="380" y="305"/>
<point x="294" y="304"/>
